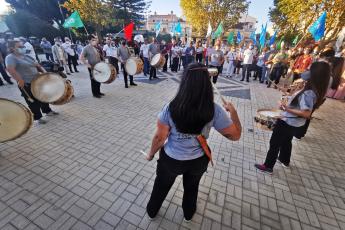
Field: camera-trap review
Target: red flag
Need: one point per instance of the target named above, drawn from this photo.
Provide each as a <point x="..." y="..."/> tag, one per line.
<point x="128" y="30"/>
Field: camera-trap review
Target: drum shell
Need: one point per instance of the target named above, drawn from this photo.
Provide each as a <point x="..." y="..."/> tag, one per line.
<point x="160" y="63"/>
<point x="41" y="93"/>
<point x="69" y="92"/>
<point x="212" y="72"/>
<point x="139" y="66"/>
<point x="28" y="120"/>
<point x="266" y="122"/>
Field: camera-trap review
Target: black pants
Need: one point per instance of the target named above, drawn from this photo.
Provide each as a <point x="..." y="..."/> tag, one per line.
<point x="4" y="74"/>
<point x="115" y="63"/>
<point x="275" y="75"/>
<point x="95" y="85"/>
<point x="49" y="57"/>
<point x="167" y="170"/>
<point x="215" y="78"/>
<point x="165" y="67"/>
<point x="36" y="107"/>
<point x="175" y="64"/>
<point x="246" y="68"/>
<point x="153" y="72"/>
<point x="125" y="74"/>
<point x="198" y="58"/>
<point x="281" y="143"/>
<point x="72" y="60"/>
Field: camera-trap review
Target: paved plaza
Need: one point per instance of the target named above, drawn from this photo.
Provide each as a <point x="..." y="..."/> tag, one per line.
<point x="84" y="170"/>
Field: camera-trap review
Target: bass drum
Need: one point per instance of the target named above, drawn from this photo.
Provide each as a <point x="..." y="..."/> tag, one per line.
<point x="68" y="95"/>
<point x="212" y="72"/>
<point x="51" y="88"/>
<point x="104" y="73"/>
<point x="15" y="120"/>
<point x="134" y="66"/>
<point x="266" y="119"/>
<point x="158" y="61"/>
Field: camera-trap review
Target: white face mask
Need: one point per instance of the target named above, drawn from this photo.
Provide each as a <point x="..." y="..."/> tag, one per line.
<point x="21" y="51"/>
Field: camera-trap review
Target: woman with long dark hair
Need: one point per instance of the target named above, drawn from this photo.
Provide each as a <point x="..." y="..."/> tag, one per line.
<point x="188" y="116"/>
<point x="296" y="112"/>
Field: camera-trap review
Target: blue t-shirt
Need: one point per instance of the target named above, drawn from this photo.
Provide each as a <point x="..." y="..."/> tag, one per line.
<point x="306" y="101"/>
<point x="182" y="146"/>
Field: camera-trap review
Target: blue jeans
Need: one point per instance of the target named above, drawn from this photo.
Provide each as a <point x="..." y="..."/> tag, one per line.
<point x="263" y="73"/>
<point x="146" y="66"/>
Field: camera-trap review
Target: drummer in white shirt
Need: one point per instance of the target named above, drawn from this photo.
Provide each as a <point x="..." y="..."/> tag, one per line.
<point x="144" y="52"/>
<point x="110" y="49"/>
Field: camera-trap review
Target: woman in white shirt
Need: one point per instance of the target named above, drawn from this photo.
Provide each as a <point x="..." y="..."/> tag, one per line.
<point x="199" y="51"/>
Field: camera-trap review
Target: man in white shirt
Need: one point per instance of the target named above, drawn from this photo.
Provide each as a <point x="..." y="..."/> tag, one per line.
<point x="72" y="57"/>
<point x="230" y="58"/>
<point x="248" y="57"/>
<point x="110" y="49"/>
<point x="59" y="54"/>
<point x="30" y="51"/>
<point x="144" y="52"/>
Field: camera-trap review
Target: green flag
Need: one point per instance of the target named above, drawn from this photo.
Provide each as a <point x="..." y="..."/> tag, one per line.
<point x="279" y="44"/>
<point x="73" y="21"/>
<point x="294" y="42"/>
<point x="219" y="31"/>
<point x="231" y="37"/>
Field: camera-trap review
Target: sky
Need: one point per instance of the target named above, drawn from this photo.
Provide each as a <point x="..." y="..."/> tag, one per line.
<point x="257" y="8"/>
<point x="2" y="6"/>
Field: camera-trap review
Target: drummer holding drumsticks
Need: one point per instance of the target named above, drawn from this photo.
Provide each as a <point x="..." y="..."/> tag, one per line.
<point x="24" y="69"/>
<point x="90" y="56"/>
<point x="124" y="54"/>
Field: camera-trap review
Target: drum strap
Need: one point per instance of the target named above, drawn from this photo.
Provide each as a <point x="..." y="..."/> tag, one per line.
<point x="203" y="143"/>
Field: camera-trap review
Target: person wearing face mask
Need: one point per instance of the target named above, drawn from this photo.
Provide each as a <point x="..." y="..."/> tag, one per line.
<point x="90" y="56"/>
<point x="124" y="54"/>
<point x="230" y="58"/>
<point x="29" y="48"/>
<point x="154" y="49"/>
<point x="47" y="49"/>
<point x="216" y="59"/>
<point x="302" y="64"/>
<point x="190" y="53"/>
<point x="248" y="57"/>
<point x="164" y="52"/>
<point x="23" y="68"/>
<point x="72" y="57"/>
<point x="110" y="50"/>
<point x="60" y="55"/>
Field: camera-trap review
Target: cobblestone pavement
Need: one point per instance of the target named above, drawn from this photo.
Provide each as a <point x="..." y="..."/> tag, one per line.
<point x="83" y="170"/>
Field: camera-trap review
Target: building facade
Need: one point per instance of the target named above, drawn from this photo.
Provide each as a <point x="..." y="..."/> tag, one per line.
<point x="168" y="21"/>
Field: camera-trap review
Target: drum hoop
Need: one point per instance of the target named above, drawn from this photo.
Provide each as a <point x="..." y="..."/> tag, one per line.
<point x="30" y="119"/>
<point x="42" y="74"/>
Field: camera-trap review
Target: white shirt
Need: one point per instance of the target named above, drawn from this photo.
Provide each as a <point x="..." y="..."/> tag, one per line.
<point x="144" y="49"/>
<point x="248" y="57"/>
<point x="199" y="50"/>
<point x="110" y="51"/>
<point x="175" y="50"/>
<point x="30" y="49"/>
<point x="231" y="56"/>
<point x="68" y="49"/>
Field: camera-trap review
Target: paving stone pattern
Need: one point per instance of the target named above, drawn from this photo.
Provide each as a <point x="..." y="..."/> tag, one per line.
<point x="83" y="170"/>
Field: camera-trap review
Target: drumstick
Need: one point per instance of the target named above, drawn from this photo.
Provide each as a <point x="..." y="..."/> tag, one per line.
<point x="27" y="95"/>
<point x="97" y="70"/>
<point x="217" y="91"/>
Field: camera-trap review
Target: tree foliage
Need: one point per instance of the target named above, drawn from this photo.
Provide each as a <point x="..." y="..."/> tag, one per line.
<point x="47" y="11"/>
<point x="200" y="12"/>
<point x="292" y="17"/>
<point x="126" y="10"/>
<point x="95" y="12"/>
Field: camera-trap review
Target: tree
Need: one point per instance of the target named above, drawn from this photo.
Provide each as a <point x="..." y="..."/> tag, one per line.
<point x="292" y="17"/>
<point x="126" y="10"/>
<point x="47" y="11"/>
<point x="95" y="12"/>
<point x="200" y="12"/>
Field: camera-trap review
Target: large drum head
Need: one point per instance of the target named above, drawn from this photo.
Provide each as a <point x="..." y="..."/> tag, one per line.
<point x="102" y="72"/>
<point x="212" y="71"/>
<point x="15" y="120"/>
<point x="48" y="87"/>
<point x="131" y="66"/>
<point x="271" y="113"/>
<point x="155" y="59"/>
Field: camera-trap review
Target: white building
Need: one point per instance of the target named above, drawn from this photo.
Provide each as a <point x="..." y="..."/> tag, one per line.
<point x="246" y="25"/>
<point x="167" y="22"/>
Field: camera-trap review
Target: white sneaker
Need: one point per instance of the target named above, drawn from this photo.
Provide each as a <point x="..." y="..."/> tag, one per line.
<point x="282" y="164"/>
<point x="52" y="113"/>
<point x="41" y="121"/>
<point x="187" y="221"/>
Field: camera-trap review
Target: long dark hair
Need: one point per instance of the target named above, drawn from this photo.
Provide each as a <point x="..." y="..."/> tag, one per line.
<point x="320" y="74"/>
<point x="193" y="106"/>
<point x="337" y="68"/>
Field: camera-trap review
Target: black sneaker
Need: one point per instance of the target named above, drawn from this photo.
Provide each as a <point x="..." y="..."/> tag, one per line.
<point x="263" y="168"/>
<point x="133" y="84"/>
<point x="97" y="96"/>
<point x="102" y="94"/>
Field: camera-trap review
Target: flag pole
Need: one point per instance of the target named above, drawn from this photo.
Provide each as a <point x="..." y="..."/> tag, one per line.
<point x="85" y="29"/>
<point x="301" y="39"/>
<point x="118" y="32"/>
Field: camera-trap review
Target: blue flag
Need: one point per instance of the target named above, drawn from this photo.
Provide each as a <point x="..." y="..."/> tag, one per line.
<point x="239" y="37"/>
<point x="273" y="38"/>
<point x="318" y="27"/>
<point x="263" y="35"/>
<point x="157" y="28"/>
<point x="253" y="37"/>
<point x="178" y="28"/>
